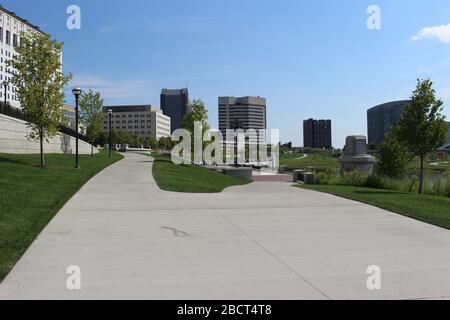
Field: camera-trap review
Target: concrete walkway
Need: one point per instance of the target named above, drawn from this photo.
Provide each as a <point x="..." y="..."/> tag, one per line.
<point x="260" y="241"/>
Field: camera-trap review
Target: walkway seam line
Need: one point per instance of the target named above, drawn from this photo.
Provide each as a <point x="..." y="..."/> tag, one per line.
<point x="266" y="250"/>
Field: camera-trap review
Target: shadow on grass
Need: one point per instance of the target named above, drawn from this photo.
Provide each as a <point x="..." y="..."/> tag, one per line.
<point x="11" y="161"/>
<point x="379" y="192"/>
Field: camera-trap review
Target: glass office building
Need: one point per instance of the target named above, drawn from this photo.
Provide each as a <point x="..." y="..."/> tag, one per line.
<point x="380" y="120"/>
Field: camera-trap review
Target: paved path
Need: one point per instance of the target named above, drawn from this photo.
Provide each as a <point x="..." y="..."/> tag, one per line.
<point x="260" y="241"/>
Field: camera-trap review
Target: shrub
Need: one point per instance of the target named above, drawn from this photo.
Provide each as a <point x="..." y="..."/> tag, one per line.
<point x="394" y="159"/>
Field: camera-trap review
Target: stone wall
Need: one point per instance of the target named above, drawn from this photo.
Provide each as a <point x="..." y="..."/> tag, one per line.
<point x="13" y="133"/>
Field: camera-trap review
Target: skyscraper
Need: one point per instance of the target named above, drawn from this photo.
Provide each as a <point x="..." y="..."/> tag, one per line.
<point x="249" y="112"/>
<point x="174" y="104"/>
<point x="317" y="134"/>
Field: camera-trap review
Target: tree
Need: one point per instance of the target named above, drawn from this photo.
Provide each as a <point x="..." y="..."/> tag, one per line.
<point x="151" y="142"/>
<point x="39" y="82"/>
<point x="394" y="158"/>
<point x="165" y="143"/>
<point x="197" y="112"/>
<point x="422" y="127"/>
<point x="91" y="105"/>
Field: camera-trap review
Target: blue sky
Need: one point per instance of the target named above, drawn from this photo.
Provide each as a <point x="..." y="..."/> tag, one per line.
<point x="312" y="58"/>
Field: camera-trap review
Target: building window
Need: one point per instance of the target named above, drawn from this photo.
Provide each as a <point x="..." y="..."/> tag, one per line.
<point x="8" y="37"/>
<point x="15" y="40"/>
<point x="1" y="36"/>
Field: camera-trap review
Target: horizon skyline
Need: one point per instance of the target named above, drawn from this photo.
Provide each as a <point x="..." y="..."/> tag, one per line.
<point x="301" y="64"/>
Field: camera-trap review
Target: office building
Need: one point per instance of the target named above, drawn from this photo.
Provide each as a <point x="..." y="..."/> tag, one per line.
<point x="69" y="116"/>
<point x="317" y="134"/>
<point x="446" y="147"/>
<point x="142" y="120"/>
<point x="174" y="104"/>
<point x="380" y="120"/>
<point x="250" y="112"/>
<point x="11" y="25"/>
<point x="448" y="133"/>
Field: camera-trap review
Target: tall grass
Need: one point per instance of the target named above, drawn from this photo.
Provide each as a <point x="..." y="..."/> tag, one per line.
<point x="361" y="179"/>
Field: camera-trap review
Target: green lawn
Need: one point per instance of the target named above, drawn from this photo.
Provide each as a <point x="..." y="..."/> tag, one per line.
<point x="188" y="178"/>
<point x="318" y="161"/>
<point x="30" y="196"/>
<point x="431" y="209"/>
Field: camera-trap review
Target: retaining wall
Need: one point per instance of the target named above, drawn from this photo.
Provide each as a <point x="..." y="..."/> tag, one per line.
<point x="13" y="139"/>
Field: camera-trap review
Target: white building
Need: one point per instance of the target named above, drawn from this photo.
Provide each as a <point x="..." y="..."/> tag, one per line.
<point x="141" y="120"/>
<point x="11" y="26"/>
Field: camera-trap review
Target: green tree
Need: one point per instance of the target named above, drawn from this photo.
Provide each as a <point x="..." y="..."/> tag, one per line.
<point x="422" y="127"/>
<point x="394" y="158"/>
<point x="165" y="143"/>
<point x="39" y="82"/>
<point x="197" y="112"/>
<point x="153" y="143"/>
<point x="91" y="105"/>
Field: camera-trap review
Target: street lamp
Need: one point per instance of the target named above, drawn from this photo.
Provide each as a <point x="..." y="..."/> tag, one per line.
<point x="5" y="84"/>
<point x="77" y="93"/>
<point x="110" y="112"/>
<point x="236" y="125"/>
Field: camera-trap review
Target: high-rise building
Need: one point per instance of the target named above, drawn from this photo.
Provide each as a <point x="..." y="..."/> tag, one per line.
<point x="317" y="134"/>
<point x="380" y="120"/>
<point x="249" y="112"/>
<point x="11" y="25"/>
<point x="143" y="121"/>
<point x="174" y="104"/>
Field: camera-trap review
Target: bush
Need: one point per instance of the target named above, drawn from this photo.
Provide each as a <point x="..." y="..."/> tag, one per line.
<point x="394" y="159"/>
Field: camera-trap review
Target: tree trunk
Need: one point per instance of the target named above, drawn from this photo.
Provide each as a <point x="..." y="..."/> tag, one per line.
<point x="92" y="148"/>
<point x="41" y="139"/>
<point x="421" y="175"/>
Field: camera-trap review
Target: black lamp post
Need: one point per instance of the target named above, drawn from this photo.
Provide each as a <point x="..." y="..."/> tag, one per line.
<point x="236" y="125"/>
<point x="5" y="84"/>
<point x="77" y="93"/>
<point x="110" y="112"/>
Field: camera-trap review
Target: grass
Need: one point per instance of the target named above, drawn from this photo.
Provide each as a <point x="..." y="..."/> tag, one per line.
<point x="442" y="166"/>
<point x="318" y="161"/>
<point x="430" y="209"/>
<point x="189" y="178"/>
<point x="31" y="196"/>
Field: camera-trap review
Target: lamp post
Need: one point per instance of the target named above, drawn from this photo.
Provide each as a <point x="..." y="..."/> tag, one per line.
<point x="236" y="125"/>
<point x="5" y="84"/>
<point x="110" y="112"/>
<point x="77" y="93"/>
